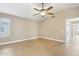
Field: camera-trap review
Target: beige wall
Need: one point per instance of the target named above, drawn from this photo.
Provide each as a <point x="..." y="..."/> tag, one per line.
<point x="55" y="27"/>
<point x="52" y="27"/>
<point x="20" y="28"/>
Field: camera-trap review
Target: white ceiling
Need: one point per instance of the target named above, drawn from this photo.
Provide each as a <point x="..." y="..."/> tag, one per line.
<point x="26" y="9"/>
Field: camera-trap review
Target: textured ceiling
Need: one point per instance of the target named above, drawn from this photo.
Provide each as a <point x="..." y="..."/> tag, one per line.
<point x="26" y="9"/>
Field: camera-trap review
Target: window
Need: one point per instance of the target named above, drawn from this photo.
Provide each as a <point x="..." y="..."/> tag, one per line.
<point x="4" y="27"/>
<point x="78" y="27"/>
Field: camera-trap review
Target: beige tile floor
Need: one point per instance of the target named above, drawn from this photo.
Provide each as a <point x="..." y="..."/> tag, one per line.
<point x="41" y="47"/>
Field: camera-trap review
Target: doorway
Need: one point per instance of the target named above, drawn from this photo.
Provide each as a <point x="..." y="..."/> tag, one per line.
<point x="72" y="29"/>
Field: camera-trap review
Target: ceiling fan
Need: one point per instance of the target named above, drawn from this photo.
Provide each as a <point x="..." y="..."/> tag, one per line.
<point x="43" y="12"/>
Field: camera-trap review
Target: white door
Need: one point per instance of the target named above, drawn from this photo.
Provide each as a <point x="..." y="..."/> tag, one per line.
<point x="68" y="30"/>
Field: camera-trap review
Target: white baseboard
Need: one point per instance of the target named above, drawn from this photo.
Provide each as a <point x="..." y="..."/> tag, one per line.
<point x="52" y="39"/>
<point x="4" y="43"/>
<point x="15" y="41"/>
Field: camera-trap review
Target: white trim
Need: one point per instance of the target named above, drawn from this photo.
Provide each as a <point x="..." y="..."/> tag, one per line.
<point x="52" y="39"/>
<point x="4" y="43"/>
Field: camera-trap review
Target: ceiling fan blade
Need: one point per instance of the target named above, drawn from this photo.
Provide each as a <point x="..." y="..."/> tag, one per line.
<point x="35" y="14"/>
<point x="49" y="8"/>
<point x="36" y="9"/>
<point x="50" y="13"/>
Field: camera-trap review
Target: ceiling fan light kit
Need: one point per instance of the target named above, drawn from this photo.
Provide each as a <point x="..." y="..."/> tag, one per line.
<point x="43" y="12"/>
